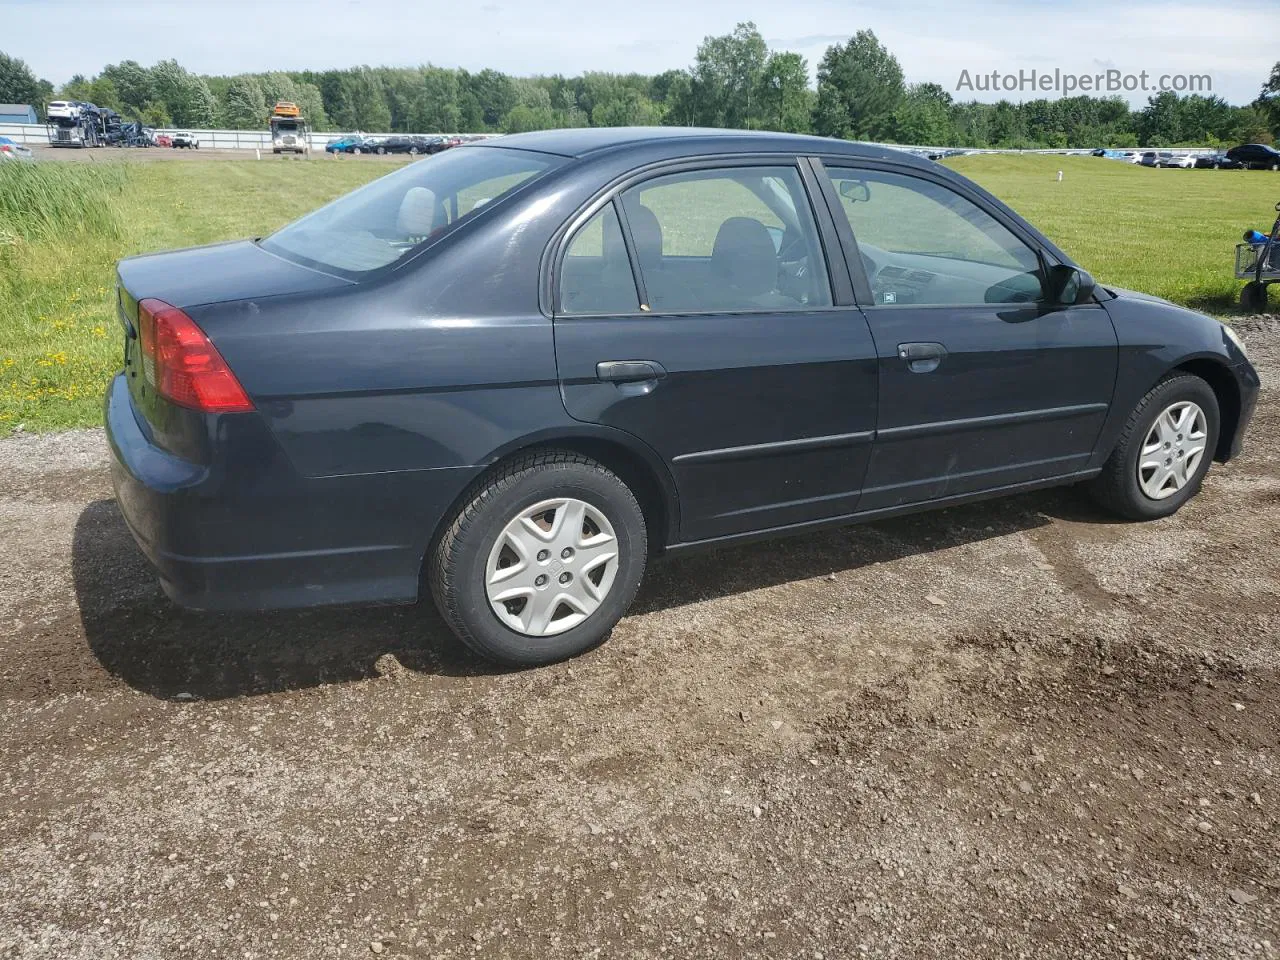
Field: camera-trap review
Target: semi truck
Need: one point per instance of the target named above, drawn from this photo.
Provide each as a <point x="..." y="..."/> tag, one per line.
<point x="74" y="123"/>
<point x="289" y="132"/>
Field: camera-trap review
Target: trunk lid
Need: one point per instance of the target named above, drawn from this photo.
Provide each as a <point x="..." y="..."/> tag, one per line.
<point x="240" y="270"/>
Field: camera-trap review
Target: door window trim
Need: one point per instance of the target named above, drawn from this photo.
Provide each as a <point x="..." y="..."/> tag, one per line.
<point x="839" y="282"/>
<point x="853" y="259"/>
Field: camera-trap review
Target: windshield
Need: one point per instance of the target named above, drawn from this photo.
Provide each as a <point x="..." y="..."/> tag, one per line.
<point x="384" y="220"/>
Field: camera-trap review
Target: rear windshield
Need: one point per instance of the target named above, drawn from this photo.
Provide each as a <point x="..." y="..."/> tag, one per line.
<point x="378" y="224"/>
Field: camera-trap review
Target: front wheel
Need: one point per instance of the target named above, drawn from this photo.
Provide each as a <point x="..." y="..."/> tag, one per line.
<point x="542" y="560"/>
<point x="357" y="151"/>
<point x="1164" y="451"/>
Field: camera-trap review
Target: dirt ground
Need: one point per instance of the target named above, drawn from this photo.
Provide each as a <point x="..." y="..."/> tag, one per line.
<point x="1016" y="729"/>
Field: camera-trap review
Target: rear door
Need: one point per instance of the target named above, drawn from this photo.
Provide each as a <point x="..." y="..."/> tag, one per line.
<point x="982" y="384"/>
<point x="697" y="309"/>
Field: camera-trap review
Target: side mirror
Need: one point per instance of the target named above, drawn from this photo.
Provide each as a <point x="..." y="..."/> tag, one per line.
<point x="856" y="190"/>
<point x="1066" y="286"/>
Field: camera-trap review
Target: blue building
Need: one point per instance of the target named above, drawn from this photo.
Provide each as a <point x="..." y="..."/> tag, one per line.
<point x="18" y="113"/>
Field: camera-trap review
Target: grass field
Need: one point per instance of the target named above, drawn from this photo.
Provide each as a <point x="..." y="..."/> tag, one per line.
<point x="63" y="226"/>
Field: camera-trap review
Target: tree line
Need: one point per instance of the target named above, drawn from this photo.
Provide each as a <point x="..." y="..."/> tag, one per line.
<point x="735" y="80"/>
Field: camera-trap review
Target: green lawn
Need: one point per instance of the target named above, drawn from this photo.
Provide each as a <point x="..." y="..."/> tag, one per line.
<point x="1167" y="232"/>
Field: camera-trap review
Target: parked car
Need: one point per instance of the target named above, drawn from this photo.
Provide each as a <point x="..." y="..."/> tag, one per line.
<point x="517" y="371"/>
<point x="1217" y="161"/>
<point x="1182" y="161"/>
<point x="1255" y="156"/>
<point x="162" y="140"/>
<point x="362" y="145"/>
<point x="185" y="140"/>
<point x="1154" y="158"/>
<point x="11" y="149"/>
<point x="399" y="144"/>
<point x="336" y="146"/>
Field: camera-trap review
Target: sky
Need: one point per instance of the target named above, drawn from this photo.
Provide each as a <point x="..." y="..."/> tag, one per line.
<point x="935" y="40"/>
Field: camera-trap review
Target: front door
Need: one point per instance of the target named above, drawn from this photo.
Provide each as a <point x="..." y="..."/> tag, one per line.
<point x="723" y="348"/>
<point x="982" y="385"/>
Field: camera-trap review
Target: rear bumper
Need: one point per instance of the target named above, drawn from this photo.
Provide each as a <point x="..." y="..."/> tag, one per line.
<point x="262" y="536"/>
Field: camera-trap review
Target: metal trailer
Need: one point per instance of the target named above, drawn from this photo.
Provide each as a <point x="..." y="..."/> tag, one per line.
<point x="1259" y="263"/>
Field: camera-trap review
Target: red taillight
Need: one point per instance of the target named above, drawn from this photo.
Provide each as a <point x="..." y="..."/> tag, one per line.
<point x="181" y="363"/>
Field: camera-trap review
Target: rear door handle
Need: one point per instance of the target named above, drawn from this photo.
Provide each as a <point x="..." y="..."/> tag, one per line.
<point x="922" y="357"/>
<point x="629" y="371"/>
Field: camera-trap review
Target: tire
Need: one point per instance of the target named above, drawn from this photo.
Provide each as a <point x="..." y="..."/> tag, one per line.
<point x="356" y="150"/>
<point x="1118" y="489"/>
<point x="459" y="566"/>
<point x="1253" y="297"/>
<point x="382" y="151"/>
<point x="413" y="151"/>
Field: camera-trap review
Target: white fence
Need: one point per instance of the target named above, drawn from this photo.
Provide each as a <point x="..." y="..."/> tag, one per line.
<point x="251" y="139"/>
<point x="209" y="139"/>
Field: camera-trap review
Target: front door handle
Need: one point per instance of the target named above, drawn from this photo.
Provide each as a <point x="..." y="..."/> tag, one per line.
<point x="629" y="371"/>
<point x="922" y="357"/>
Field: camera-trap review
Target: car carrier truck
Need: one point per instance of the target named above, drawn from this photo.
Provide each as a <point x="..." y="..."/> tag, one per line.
<point x="289" y="132"/>
<point x="74" y="123"/>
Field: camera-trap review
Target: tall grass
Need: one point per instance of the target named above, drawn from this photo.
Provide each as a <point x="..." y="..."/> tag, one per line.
<point x="44" y="202"/>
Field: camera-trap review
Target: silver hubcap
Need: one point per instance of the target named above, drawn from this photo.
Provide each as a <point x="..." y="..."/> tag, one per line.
<point x="551" y="567"/>
<point x="1172" y="451"/>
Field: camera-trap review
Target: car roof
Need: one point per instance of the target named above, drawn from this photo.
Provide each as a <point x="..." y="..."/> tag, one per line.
<point x="583" y="142"/>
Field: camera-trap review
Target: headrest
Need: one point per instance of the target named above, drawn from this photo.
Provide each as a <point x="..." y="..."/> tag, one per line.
<point x="417" y="217"/>
<point x="744" y="256"/>
<point x="647" y="234"/>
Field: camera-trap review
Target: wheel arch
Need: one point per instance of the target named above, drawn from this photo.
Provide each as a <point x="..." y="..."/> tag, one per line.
<point x="1223" y="383"/>
<point x="636" y="464"/>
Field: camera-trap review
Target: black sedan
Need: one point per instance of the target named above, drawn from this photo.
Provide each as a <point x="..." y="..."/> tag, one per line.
<point x="516" y="371"/>
<point x="1217" y="161"/>
<point x="1255" y="156"/>
<point x="403" y="144"/>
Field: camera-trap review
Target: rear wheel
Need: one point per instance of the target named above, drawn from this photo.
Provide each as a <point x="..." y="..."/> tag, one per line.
<point x="542" y="561"/>
<point x="381" y="151"/>
<point x="356" y="150"/>
<point x="1164" y="451"/>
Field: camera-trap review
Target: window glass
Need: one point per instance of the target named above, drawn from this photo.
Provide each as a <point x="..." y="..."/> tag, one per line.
<point x="382" y="221"/>
<point x="727" y="240"/>
<point x="596" y="274"/>
<point x="923" y="243"/>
